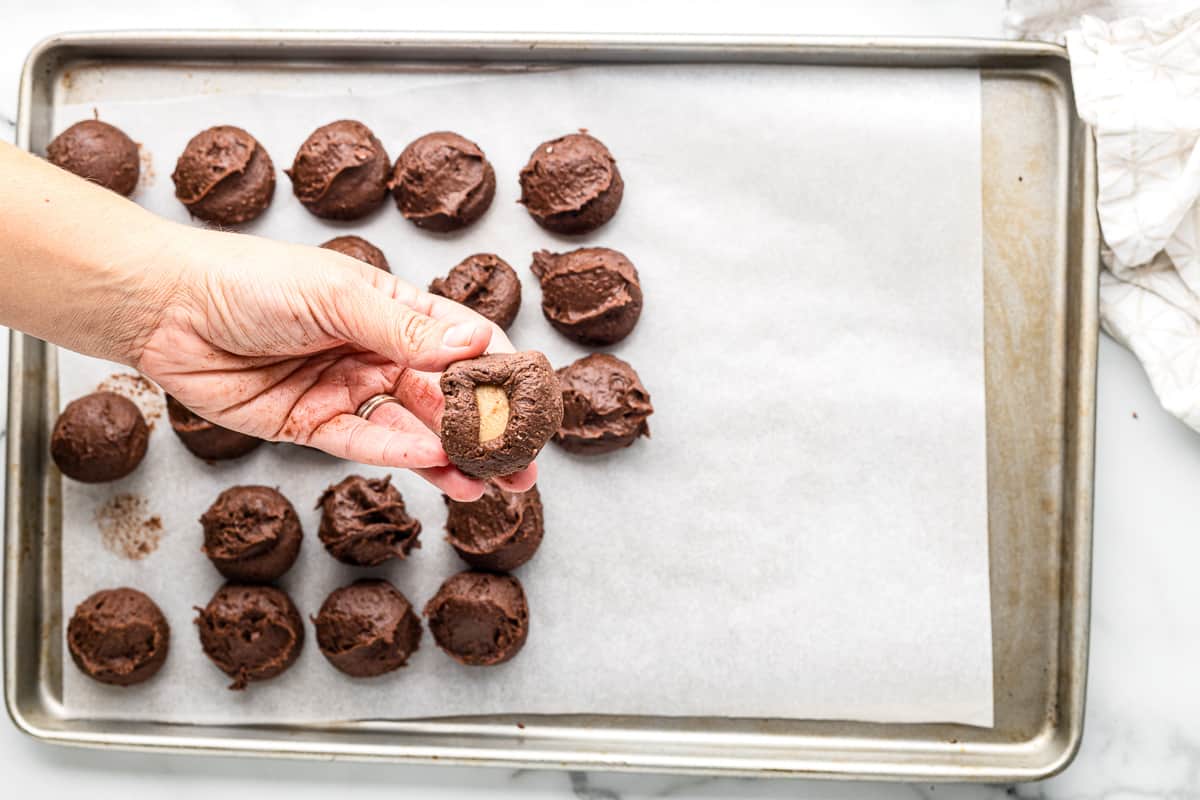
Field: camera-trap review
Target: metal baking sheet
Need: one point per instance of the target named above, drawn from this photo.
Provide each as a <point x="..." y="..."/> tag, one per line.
<point x="1040" y="328"/>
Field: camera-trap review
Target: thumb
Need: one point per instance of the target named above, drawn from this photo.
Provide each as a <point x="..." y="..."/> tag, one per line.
<point x="378" y="322"/>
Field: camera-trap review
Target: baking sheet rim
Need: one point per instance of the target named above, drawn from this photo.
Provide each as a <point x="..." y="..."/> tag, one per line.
<point x="1065" y="729"/>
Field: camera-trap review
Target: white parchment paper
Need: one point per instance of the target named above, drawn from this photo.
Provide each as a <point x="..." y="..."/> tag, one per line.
<point x="805" y="535"/>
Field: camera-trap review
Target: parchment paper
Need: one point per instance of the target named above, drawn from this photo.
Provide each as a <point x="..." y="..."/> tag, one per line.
<point x="805" y="535"/>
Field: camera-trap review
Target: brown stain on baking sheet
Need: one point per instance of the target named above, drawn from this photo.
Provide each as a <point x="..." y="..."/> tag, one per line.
<point x="127" y="528"/>
<point x="138" y="389"/>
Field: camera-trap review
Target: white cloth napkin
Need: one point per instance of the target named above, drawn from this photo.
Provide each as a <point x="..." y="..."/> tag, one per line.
<point x="1137" y="83"/>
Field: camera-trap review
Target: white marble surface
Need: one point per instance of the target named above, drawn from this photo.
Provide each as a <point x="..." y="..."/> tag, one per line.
<point x="1142" y="737"/>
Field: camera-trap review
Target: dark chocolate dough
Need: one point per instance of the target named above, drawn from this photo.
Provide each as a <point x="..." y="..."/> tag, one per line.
<point x="364" y="522"/>
<point x="251" y="633"/>
<point x="205" y="439"/>
<point x="118" y="636"/>
<point x="443" y="182"/>
<point x="341" y="171"/>
<point x="479" y="618"/>
<point x="367" y="628"/>
<point x="498" y="532"/>
<point x="360" y="248"/>
<point x="224" y="176"/>
<point x="98" y="152"/>
<point x="591" y="295"/>
<point x="525" y="383"/>
<point x="99" y="437"/>
<point x="605" y="405"/>
<point x="251" y="534"/>
<point x="484" y="283"/>
<point x="571" y="184"/>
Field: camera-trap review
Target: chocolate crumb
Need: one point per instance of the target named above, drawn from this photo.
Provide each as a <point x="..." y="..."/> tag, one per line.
<point x="126" y="528"/>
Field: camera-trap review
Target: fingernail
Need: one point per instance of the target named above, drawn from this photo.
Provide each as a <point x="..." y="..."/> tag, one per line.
<point x="459" y="335"/>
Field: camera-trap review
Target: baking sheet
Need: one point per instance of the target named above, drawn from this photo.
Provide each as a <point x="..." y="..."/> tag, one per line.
<point x="804" y="536"/>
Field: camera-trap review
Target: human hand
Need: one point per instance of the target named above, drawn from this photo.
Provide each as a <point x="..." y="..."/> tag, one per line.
<point x="285" y="342"/>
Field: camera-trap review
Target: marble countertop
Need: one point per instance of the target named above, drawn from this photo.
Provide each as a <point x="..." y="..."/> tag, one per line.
<point x="1142" y="733"/>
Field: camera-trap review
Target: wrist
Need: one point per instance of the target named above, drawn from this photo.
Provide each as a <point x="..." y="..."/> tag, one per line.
<point x="81" y="266"/>
<point x="140" y="286"/>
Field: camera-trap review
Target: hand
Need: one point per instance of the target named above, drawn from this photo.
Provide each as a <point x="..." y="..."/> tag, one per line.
<point x="284" y="342"/>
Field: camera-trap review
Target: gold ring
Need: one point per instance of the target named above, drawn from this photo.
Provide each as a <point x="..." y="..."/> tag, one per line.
<point x="371" y="404"/>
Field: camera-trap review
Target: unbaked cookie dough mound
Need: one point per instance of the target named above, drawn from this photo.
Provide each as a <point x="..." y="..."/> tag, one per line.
<point x="500" y="410"/>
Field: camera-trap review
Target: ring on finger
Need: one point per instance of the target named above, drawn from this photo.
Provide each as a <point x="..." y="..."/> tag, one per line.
<point x="372" y="404"/>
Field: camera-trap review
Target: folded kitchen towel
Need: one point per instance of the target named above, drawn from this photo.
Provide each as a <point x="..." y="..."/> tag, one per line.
<point x="1137" y="83"/>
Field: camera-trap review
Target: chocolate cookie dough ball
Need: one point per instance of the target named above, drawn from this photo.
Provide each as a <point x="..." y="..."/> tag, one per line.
<point x="360" y="248"/>
<point x="367" y="628"/>
<point x="484" y="283"/>
<point x="118" y="636"/>
<point x="364" y="522"/>
<point x="571" y="184"/>
<point x="99" y="437"/>
<point x="443" y="182"/>
<point x="224" y="176"/>
<point x="251" y="534"/>
<point x="478" y="618"/>
<point x="591" y="295"/>
<point x="98" y="152"/>
<point x="500" y="411"/>
<point x="205" y="439"/>
<point x="341" y="171"/>
<point x="605" y="405"/>
<point x="498" y="532"/>
<point x="252" y="633"/>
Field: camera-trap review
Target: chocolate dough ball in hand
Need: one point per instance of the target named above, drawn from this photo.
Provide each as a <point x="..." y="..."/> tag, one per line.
<point x="605" y="405"/>
<point x="205" y="439"/>
<point x="251" y="534"/>
<point x="500" y="410"/>
<point x="98" y="438"/>
<point x="478" y="618"/>
<point x="360" y="248"/>
<point x="498" y="532"/>
<point x="592" y="295"/>
<point x="443" y="182"/>
<point x="341" y="171"/>
<point x="98" y="152"/>
<point x="224" y="176"/>
<point x="364" y="522"/>
<point x="118" y="636"/>
<point x="252" y="633"/>
<point x="367" y="628"/>
<point x="484" y="283"/>
<point x="571" y="184"/>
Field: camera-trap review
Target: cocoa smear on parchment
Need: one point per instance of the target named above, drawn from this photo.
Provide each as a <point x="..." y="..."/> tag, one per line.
<point x="147" y="174"/>
<point x="140" y="390"/>
<point x="127" y="528"/>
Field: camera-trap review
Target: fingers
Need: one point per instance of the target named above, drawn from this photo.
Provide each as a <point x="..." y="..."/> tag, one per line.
<point x="443" y="309"/>
<point x="453" y="483"/>
<point x="421" y="394"/>
<point x="521" y="481"/>
<point x="450" y="480"/>
<point x="424" y="333"/>
<point x="500" y="342"/>
<point x="355" y="439"/>
<point x="435" y="306"/>
<point x="457" y="486"/>
<point x="378" y="322"/>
